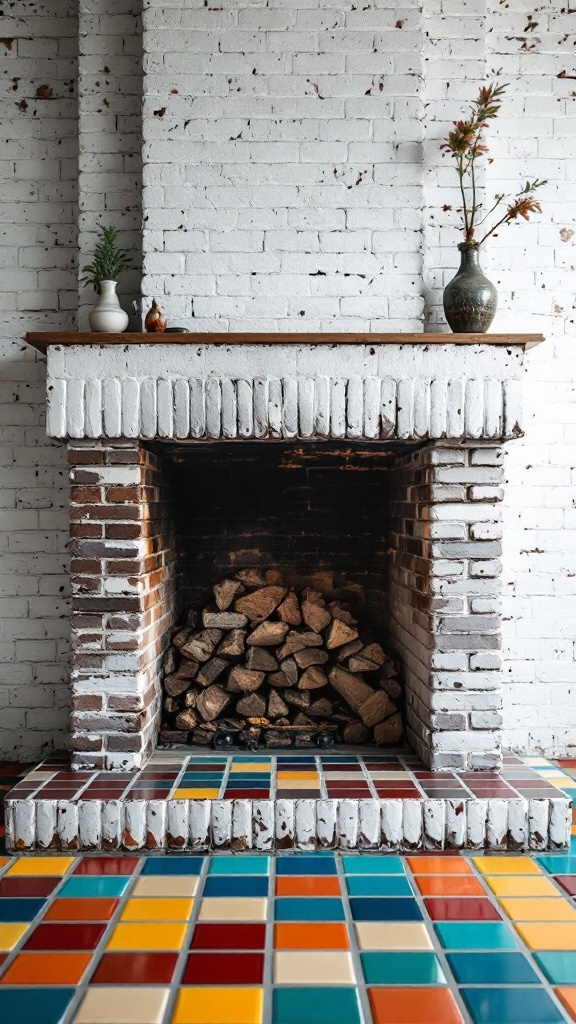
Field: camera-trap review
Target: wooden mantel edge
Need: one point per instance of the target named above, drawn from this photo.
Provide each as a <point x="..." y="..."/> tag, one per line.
<point x="42" y="339"/>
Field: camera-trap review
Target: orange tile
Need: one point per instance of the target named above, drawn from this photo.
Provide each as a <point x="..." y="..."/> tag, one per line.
<point x="567" y="996"/>
<point x="311" y="885"/>
<point x="310" y="936"/>
<point x="47" y="969"/>
<point x="414" y="1006"/>
<point x="81" y="909"/>
<point x="439" y="866"/>
<point x="445" y="885"/>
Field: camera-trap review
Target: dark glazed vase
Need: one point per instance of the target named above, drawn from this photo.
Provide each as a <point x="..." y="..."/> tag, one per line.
<point x="470" y="299"/>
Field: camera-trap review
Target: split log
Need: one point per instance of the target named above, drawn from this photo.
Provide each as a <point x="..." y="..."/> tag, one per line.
<point x="252" y="706"/>
<point x="268" y="634"/>
<point x="360" y="664"/>
<point x="355" y="732"/>
<point x="201" y="646"/>
<point x="180" y="638"/>
<point x="290" y="670"/>
<point x="312" y="679"/>
<point x="174" y="686"/>
<point x="297" y="642"/>
<point x="212" y="702"/>
<point x="242" y="680"/>
<point x="340" y="634"/>
<point x="187" y="669"/>
<point x="259" y="605"/>
<point x="223" y="620"/>
<point x="251" y="578"/>
<point x="225" y="593"/>
<point x="352" y="689"/>
<point x="315" y="616"/>
<point x="322" y="708"/>
<point x="349" y="650"/>
<point x="310" y="656"/>
<point x="375" y="709"/>
<point x="301" y="698"/>
<point x="208" y="673"/>
<point x="260" y="660"/>
<point x="233" y="645"/>
<point x="289" y="610"/>
<point x="186" y="719"/>
<point x="279" y="679"/>
<point x="276" y="706"/>
<point x="374" y="653"/>
<point x="389" y="731"/>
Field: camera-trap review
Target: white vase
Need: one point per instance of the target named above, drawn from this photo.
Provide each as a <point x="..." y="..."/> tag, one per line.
<point x="108" y="317"/>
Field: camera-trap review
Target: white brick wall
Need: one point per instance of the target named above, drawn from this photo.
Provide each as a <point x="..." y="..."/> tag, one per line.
<point x="254" y="220"/>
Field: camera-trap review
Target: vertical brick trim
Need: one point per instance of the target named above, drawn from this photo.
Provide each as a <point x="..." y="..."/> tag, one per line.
<point x="122" y="575"/>
<point x="444" y="595"/>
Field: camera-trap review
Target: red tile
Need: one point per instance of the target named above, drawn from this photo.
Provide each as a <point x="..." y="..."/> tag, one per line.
<point x="135" y="969"/>
<point x="397" y="794"/>
<point x="28" y="886"/>
<point x="229" y="936"/>
<point x="568" y="883"/>
<point x="465" y="909"/>
<point x="106" y="865"/>
<point x="66" y="936"/>
<point x="353" y="794"/>
<point x="247" y="794"/>
<point x="224" y="969"/>
<point x="3" y="958"/>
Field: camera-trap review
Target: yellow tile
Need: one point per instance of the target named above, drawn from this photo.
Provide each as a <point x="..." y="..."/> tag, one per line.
<point x="251" y="766"/>
<point x="219" y="1006"/>
<point x="539" y="909"/>
<point x="196" y="794"/>
<point x="234" y="908"/>
<point x="157" y="910"/>
<point x="554" y="936"/>
<point x="123" y="1005"/>
<point x="41" y="866"/>
<point x="309" y="967"/>
<point x="147" y="936"/>
<point x="521" y="885"/>
<point x="297" y="775"/>
<point x="506" y="866"/>
<point x="396" y="935"/>
<point x="10" y="934"/>
<point x="298" y="784"/>
<point x="166" y="885"/>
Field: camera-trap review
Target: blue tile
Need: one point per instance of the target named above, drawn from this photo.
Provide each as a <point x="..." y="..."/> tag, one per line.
<point x="559" y="967"/>
<point x="34" y="1005"/>
<point x="492" y="969"/>
<point x="243" y="865"/>
<point x="304" y="759"/>
<point x="295" y="908"/>
<point x="378" y="885"/>
<point x="308" y="1005"/>
<point x="95" y="885"/>
<point x="173" y="865"/>
<point x="20" y="909"/>
<point x="248" y="781"/>
<point x="386" y="908"/>
<point x="236" y="886"/>
<point x="302" y="865"/>
<point x="511" y="1006"/>
<point x="475" y="935"/>
<point x="558" y="864"/>
<point x="402" y="969"/>
<point x="373" y="864"/>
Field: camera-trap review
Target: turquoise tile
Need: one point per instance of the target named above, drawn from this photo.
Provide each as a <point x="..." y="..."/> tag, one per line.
<point x="511" y="1006"/>
<point x="378" y="885"/>
<point x="315" y="1006"/>
<point x="475" y="935"/>
<point x="243" y="865"/>
<point x="558" y="864"/>
<point x="559" y="967"/>
<point x="295" y="908"/>
<point x="492" y="969"/>
<point x="95" y="885"/>
<point x="34" y="1005"/>
<point x="373" y="864"/>
<point x="402" y="969"/>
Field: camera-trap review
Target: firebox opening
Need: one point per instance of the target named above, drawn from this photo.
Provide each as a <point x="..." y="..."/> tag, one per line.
<point x="316" y="518"/>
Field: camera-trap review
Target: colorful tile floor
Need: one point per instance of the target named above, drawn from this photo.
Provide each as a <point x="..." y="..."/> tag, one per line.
<point x="292" y="939"/>
<point x="294" y="775"/>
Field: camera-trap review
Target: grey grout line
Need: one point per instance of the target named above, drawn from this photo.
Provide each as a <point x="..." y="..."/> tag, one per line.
<point x="175" y="985"/>
<point x="437" y="946"/>
<point x="268" y="976"/>
<point x="354" y="948"/>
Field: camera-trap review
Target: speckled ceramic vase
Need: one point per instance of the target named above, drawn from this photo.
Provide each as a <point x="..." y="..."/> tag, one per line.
<point x="470" y="299"/>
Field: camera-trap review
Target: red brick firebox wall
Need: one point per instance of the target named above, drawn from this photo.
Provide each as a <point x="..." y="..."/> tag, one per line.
<point x="123" y="584"/>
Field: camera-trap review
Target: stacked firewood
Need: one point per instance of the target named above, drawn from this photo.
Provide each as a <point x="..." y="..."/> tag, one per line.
<point x="268" y="666"/>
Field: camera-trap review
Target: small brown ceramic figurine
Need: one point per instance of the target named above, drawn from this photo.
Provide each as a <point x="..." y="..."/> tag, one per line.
<point x="155" y="321"/>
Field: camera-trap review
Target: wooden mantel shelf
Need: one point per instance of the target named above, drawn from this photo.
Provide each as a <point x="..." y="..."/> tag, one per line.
<point x="41" y="340"/>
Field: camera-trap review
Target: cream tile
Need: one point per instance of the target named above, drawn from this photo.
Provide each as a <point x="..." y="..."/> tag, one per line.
<point x="348" y="776"/>
<point x="392" y="776"/>
<point x="122" y="1005"/>
<point x="215" y="908"/>
<point x="309" y="967"/>
<point x="166" y="885"/>
<point x="298" y="784"/>
<point x="397" y="935"/>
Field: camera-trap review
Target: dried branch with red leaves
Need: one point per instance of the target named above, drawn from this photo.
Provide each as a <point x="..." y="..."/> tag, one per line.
<point x="465" y="143"/>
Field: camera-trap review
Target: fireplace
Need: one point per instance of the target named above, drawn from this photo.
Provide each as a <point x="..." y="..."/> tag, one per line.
<point x="188" y="458"/>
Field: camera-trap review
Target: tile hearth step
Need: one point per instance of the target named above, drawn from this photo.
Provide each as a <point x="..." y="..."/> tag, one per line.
<point x="299" y="800"/>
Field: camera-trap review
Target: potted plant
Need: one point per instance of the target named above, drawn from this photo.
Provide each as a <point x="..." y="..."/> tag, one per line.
<point x="470" y="298"/>
<point x="108" y="262"/>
